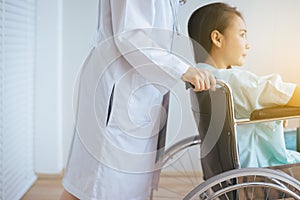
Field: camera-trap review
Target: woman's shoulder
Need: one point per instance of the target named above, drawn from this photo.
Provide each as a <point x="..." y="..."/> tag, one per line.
<point x="237" y="74"/>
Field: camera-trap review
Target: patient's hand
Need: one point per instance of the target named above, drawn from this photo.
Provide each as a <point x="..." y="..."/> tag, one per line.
<point x="201" y="79"/>
<point x="285" y="123"/>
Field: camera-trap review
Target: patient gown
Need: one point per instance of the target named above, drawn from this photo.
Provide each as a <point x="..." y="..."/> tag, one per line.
<point x="260" y="144"/>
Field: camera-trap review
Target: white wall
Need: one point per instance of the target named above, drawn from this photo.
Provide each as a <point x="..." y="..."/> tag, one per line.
<point x="79" y="26"/>
<point x="48" y="138"/>
<point x="65" y="30"/>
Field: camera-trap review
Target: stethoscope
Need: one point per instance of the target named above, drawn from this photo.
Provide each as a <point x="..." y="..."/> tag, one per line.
<point x="176" y="28"/>
<point x="174" y="5"/>
<point x="181" y="2"/>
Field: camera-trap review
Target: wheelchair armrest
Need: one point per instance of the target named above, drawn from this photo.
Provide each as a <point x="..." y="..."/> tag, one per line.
<point x="278" y="112"/>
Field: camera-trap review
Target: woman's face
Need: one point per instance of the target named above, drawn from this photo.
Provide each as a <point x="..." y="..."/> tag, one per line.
<point x="235" y="45"/>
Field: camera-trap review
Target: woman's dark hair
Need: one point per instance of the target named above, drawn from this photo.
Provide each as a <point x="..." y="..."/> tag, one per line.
<point x="203" y="21"/>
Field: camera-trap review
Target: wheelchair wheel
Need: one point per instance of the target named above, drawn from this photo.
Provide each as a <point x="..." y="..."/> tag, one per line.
<point x="250" y="183"/>
<point x="181" y="170"/>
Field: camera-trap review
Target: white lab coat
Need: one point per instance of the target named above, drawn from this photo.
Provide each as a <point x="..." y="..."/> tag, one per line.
<point x="119" y="110"/>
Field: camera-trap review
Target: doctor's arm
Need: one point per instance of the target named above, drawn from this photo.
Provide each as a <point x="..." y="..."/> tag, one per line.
<point x="145" y="43"/>
<point x="202" y="79"/>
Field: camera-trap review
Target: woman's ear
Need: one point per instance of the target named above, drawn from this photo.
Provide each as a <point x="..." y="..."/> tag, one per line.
<point x="216" y="38"/>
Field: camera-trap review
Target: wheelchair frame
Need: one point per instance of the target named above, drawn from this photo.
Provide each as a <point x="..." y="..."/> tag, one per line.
<point x="277" y="180"/>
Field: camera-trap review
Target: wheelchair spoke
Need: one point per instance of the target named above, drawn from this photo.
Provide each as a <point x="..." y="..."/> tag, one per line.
<point x="251" y="184"/>
<point x="182" y="179"/>
<point x="181" y="172"/>
<point x="194" y="170"/>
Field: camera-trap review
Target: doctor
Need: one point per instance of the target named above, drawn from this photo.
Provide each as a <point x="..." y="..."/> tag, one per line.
<point x="122" y="105"/>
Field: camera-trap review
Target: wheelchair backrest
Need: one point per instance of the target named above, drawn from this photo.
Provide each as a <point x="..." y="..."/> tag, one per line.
<point x="214" y="115"/>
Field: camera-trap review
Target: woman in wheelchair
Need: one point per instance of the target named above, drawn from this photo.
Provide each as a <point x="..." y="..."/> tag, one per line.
<point x="219" y="39"/>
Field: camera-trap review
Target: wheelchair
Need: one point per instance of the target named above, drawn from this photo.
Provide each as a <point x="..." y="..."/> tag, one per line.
<point x="219" y="175"/>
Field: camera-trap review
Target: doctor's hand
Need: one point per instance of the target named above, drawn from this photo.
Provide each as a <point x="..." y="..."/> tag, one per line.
<point x="201" y="79"/>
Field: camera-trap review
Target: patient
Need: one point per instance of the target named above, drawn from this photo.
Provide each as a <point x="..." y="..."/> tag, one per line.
<point x="220" y="30"/>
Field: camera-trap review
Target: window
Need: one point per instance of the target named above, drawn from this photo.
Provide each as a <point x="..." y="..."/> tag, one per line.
<point x="17" y="66"/>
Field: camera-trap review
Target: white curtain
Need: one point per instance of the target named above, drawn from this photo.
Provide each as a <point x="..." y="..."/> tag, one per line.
<point x="17" y="66"/>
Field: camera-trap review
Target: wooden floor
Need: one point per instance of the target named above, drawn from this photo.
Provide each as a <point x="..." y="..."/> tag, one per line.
<point x="51" y="188"/>
<point x="45" y="189"/>
<point x="171" y="186"/>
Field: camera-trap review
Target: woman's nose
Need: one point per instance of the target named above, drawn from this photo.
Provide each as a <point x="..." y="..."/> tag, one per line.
<point x="247" y="45"/>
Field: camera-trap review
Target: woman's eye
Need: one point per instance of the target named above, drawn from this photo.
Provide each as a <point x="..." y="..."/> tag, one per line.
<point x="243" y="35"/>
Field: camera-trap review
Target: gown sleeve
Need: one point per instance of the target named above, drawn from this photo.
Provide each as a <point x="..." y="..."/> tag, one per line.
<point x="144" y="40"/>
<point x="260" y="144"/>
<point x="254" y="92"/>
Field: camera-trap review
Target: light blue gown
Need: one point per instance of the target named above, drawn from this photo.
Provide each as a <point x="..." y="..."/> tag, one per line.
<point x="261" y="144"/>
